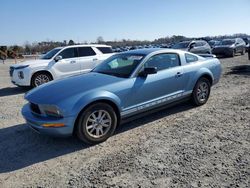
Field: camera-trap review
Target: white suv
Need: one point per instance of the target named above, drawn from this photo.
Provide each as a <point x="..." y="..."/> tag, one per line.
<point x="59" y="63"/>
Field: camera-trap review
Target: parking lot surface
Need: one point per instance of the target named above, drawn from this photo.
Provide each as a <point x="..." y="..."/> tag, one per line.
<point x="183" y="146"/>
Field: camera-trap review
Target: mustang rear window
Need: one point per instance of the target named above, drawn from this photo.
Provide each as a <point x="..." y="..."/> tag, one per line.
<point x="190" y="58"/>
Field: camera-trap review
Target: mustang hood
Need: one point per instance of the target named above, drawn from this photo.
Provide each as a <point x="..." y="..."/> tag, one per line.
<point x="55" y="91"/>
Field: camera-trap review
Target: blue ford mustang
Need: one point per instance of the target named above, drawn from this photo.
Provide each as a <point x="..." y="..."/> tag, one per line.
<point x="125" y="85"/>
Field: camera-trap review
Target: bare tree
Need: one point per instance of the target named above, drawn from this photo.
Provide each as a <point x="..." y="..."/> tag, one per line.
<point x="71" y="42"/>
<point x="100" y="40"/>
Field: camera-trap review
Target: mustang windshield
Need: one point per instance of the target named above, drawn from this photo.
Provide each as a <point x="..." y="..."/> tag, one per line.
<point x="51" y="53"/>
<point x="120" y="65"/>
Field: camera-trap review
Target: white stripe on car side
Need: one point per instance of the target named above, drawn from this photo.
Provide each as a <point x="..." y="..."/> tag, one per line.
<point x="154" y="103"/>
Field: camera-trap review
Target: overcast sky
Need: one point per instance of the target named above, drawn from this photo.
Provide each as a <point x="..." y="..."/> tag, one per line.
<point x="85" y="20"/>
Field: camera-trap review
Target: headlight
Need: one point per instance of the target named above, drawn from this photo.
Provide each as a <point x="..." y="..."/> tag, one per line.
<point x="20" y="75"/>
<point x="21" y="67"/>
<point x="51" y="110"/>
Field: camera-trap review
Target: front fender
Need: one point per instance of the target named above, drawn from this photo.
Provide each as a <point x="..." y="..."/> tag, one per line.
<point x="41" y="68"/>
<point x="90" y="97"/>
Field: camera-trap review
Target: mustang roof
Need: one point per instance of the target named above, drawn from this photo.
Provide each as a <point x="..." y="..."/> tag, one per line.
<point x="147" y="51"/>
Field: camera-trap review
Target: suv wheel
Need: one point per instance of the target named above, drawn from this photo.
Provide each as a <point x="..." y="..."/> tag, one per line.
<point x="97" y="123"/>
<point x="40" y="78"/>
<point x="201" y="91"/>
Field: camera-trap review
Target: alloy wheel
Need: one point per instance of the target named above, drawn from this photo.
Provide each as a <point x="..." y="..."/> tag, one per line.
<point x="41" y="79"/>
<point x="202" y="92"/>
<point x="98" y="123"/>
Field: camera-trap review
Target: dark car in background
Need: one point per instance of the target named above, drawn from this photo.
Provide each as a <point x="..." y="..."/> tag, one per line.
<point x="213" y="43"/>
<point x="230" y="47"/>
<point x="195" y="46"/>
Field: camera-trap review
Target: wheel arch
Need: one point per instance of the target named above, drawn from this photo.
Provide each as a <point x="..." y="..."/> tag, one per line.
<point x="107" y="101"/>
<point x="207" y="76"/>
<point x="206" y="73"/>
<point x="40" y="71"/>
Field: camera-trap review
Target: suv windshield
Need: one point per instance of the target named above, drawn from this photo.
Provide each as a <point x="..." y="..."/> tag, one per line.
<point x="120" y="65"/>
<point x="227" y="42"/>
<point x="51" y="53"/>
<point x="181" y="45"/>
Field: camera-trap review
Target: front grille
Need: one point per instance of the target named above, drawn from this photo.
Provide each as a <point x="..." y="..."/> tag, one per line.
<point x="35" y="108"/>
<point x="11" y="71"/>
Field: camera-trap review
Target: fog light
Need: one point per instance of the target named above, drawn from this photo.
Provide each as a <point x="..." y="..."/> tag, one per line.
<point x="53" y="125"/>
<point x="20" y="75"/>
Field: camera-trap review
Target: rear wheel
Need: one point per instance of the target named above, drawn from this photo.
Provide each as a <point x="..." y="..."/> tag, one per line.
<point x="243" y="51"/>
<point x="201" y="91"/>
<point x="97" y="123"/>
<point x="233" y="53"/>
<point x="40" y="78"/>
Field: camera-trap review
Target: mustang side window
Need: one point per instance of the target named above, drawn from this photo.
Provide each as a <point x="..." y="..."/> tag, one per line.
<point x="163" y="61"/>
<point x="190" y="58"/>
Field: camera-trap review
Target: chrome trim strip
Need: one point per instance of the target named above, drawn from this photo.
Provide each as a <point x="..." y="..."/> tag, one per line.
<point x="154" y="102"/>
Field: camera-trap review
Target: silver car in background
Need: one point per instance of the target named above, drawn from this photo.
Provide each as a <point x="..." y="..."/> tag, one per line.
<point x="195" y="46"/>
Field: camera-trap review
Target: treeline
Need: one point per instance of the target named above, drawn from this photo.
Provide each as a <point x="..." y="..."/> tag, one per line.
<point x="43" y="47"/>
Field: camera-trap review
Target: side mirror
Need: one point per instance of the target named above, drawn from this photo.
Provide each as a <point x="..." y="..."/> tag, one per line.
<point x="58" y="58"/>
<point x="148" y="70"/>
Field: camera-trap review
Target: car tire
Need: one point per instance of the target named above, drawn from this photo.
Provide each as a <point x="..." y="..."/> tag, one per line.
<point x="243" y="52"/>
<point x="96" y="123"/>
<point x="233" y="53"/>
<point x="40" y="78"/>
<point x="201" y="91"/>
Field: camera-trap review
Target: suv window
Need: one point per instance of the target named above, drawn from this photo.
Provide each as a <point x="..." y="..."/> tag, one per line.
<point x="204" y="43"/>
<point x="163" y="61"/>
<point x="85" y="51"/>
<point x="240" y="40"/>
<point x="69" y="53"/>
<point x="105" y="50"/>
<point x="197" y="44"/>
<point x="190" y="58"/>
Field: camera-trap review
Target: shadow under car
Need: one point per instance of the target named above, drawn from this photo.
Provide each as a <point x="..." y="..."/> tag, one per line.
<point x="23" y="147"/>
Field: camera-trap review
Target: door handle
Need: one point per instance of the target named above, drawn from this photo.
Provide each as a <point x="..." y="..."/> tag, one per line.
<point x="178" y="74"/>
<point x="95" y="59"/>
<point x="72" y="61"/>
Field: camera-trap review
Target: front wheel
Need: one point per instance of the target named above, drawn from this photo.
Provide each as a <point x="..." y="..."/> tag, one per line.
<point x="233" y="53"/>
<point x="40" y="78"/>
<point x="97" y="123"/>
<point x="201" y="91"/>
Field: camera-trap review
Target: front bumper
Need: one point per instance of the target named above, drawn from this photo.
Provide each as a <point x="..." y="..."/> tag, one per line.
<point x="18" y="81"/>
<point x="35" y="122"/>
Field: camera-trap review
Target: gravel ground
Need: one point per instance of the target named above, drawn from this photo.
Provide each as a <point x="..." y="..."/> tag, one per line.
<point x="182" y="146"/>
